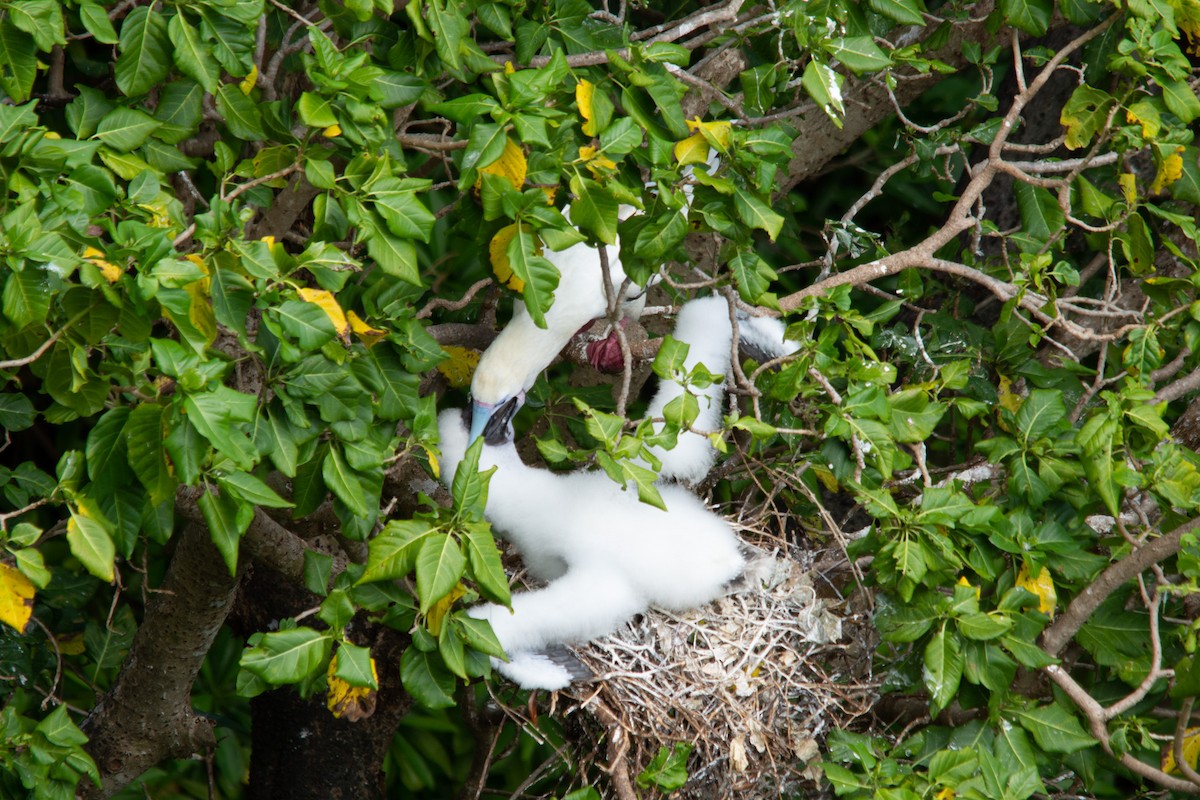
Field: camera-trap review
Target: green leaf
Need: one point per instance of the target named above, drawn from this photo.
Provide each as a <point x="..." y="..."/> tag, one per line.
<point x="449" y="30"/>
<point x="667" y="771"/>
<point x="18" y="61"/>
<point x="344" y="484"/>
<point x="1181" y="100"/>
<point x="1055" y="729"/>
<point x="1084" y="115"/>
<point x="539" y="274"/>
<point x="396" y="257"/>
<point x="144" y="60"/>
<point x="240" y="112"/>
<point x="484" y="146"/>
<point x="824" y="86"/>
<point x="26" y="300"/>
<point x="1030" y="16"/>
<point x="192" y="56"/>
<point x="753" y="276"/>
<point x="1041" y="217"/>
<point x="943" y="669"/>
<point x="227" y="519"/>
<point x="983" y="627"/>
<point x="1039" y="413"/>
<point x="440" y="565"/>
<point x="106" y="449"/>
<point x="315" y="111"/>
<point x="594" y="209"/>
<point x="1029" y="654"/>
<point x="426" y="679"/>
<point x="906" y="12"/>
<point x="91" y="542"/>
<point x="252" y="490"/>
<point x="306" y="323"/>
<point x="287" y="656"/>
<point x="859" y="53"/>
<point x="470" y="486"/>
<point x="16" y="412"/>
<point x="42" y="19"/>
<point x="393" y="553"/>
<point x="395" y="89"/>
<point x="486" y="567"/>
<point x="179" y="110"/>
<point x="217" y="415"/>
<point x="96" y="20"/>
<point x="406" y="216"/>
<point x="125" y="129"/>
<point x="354" y="666"/>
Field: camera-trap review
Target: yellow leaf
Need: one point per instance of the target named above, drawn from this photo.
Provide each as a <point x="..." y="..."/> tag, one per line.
<point x="1008" y="398"/>
<point x="692" y="150"/>
<point x="250" y="80"/>
<point x="325" y="301"/>
<point x="717" y="132"/>
<point x="111" y="272"/>
<point x="1145" y="114"/>
<point x="962" y="581"/>
<point x="434" y="466"/>
<point x="583" y="98"/>
<point x="1169" y="171"/>
<point x="71" y="644"/>
<point x="945" y="794"/>
<point x="269" y="241"/>
<point x="599" y="164"/>
<point x="509" y="69"/>
<point x="349" y="702"/>
<point x="827" y="478"/>
<point x="498" y="252"/>
<point x="460" y="366"/>
<point x="1128" y="187"/>
<point x="511" y="164"/>
<point x="437" y="614"/>
<point x="332" y="131"/>
<point x="366" y="334"/>
<point x="16" y="598"/>
<point x="200" y="312"/>
<point x="1191" y="749"/>
<point x="160" y="214"/>
<point x="1042" y="586"/>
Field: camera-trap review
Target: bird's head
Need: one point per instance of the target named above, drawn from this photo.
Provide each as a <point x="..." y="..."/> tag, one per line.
<point x="493" y="400"/>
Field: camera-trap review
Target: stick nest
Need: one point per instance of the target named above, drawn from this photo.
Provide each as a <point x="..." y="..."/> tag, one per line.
<point x="746" y="680"/>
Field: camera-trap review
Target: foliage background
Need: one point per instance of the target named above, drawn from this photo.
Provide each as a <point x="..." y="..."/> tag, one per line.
<point x="247" y="245"/>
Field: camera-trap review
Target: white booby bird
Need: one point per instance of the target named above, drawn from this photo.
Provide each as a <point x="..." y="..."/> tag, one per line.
<point x="513" y="361"/>
<point x="704" y="325"/>
<point x="606" y="555"/>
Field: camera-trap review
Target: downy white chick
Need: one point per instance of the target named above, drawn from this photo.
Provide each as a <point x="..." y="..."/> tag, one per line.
<point x="704" y="325"/>
<point x="606" y="555"/>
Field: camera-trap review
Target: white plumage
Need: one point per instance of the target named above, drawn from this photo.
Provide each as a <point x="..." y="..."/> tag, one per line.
<point x="511" y="364"/>
<point x="606" y="555"/>
<point x="704" y="325"/>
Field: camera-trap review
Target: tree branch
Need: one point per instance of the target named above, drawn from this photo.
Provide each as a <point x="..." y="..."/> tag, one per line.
<point x="147" y="716"/>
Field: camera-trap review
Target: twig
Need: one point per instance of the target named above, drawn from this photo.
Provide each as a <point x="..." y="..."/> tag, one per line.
<point x="248" y="185"/>
<point x="454" y="305"/>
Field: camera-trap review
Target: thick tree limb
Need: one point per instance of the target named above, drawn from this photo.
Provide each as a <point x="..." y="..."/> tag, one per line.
<point x="147" y="716"/>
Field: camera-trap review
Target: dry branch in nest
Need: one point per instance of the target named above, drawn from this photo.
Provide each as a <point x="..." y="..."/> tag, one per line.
<point x="742" y="679"/>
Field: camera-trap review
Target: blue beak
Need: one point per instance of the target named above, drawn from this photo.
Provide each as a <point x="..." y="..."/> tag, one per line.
<point x="480" y="414"/>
